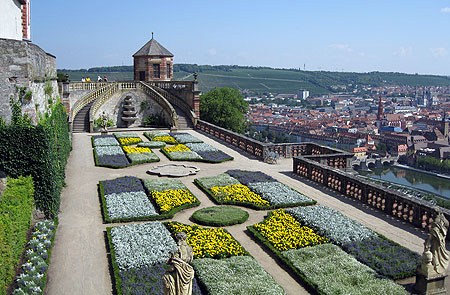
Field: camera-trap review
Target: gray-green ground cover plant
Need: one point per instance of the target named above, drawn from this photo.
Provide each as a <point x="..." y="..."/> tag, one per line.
<point x="335" y="272"/>
<point x="235" y="275"/>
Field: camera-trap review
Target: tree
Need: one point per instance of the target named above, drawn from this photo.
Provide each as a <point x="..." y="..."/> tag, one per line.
<point x="224" y="107"/>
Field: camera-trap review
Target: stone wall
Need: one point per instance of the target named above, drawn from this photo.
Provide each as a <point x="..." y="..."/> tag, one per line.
<point x="144" y="105"/>
<point x="24" y="64"/>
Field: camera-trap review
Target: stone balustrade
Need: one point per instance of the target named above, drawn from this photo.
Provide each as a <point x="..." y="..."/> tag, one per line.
<point x="326" y="155"/>
<point x="92" y="96"/>
<point x="99" y="101"/>
<point x="396" y="204"/>
<point x="74" y="86"/>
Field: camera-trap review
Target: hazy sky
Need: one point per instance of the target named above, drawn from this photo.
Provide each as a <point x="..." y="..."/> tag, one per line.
<point x="410" y="36"/>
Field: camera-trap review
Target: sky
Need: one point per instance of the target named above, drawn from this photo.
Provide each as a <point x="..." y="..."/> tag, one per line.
<point x="410" y="36"/>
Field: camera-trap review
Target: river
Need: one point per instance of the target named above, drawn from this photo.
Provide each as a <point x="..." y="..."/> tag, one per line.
<point x="425" y="182"/>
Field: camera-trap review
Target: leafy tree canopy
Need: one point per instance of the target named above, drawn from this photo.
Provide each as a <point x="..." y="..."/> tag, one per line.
<point x="224" y="107"/>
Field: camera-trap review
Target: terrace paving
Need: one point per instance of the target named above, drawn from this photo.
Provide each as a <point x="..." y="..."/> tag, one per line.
<point x="79" y="264"/>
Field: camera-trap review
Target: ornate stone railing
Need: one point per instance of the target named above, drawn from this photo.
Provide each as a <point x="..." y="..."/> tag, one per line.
<point x="161" y="100"/>
<point x="100" y="101"/>
<point x="394" y="203"/>
<point x="74" y="86"/>
<point x="92" y="96"/>
<point x="175" y="100"/>
<point x="244" y="143"/>
<point x="326" y="155"/>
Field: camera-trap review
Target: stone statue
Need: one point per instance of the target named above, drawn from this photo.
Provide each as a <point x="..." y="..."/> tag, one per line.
<point x="104" y="123"/>
<point x="178" y="278"/>
<point x="436" y="244"/>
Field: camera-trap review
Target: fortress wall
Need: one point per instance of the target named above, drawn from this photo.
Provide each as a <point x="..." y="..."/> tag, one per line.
<point x="24" y="64"/>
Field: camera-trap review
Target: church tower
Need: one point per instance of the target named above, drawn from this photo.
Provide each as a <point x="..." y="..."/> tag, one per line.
<point x="153" y="62"/>
<point x="380" y="114"/>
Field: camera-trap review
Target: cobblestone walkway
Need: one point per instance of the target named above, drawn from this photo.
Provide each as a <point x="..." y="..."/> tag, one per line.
<point x="79" y="264"/>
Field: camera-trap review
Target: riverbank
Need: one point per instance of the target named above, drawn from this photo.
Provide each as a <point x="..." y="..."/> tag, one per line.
<point x="421" y="171"/>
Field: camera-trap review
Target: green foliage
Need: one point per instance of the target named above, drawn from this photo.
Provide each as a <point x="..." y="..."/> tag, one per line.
<point x="16" y="207"/>
<point x="40" y="151"/>
<point x="433" y="163"/>
<point x="224" y="107"/>
<point x="220" y="216"/>
<point x="98" y="123"/>
<point x="156" y="120"/>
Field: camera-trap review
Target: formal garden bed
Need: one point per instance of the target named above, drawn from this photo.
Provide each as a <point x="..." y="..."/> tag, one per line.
<point x="33" y="274"/>
<point x="160" y="136"/>
<point x="128" y="198"/>
<point x="253" y="189"/>
<point x="108" y="152"/>
<point x="139" y="252"/>
<point x="220" y="216"/>
<point x="197" y="152"/>
<point x="381" y="254"/>
<point x="314" y="245"/>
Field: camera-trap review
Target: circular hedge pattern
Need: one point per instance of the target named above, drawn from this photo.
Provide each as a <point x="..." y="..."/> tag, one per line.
<point x="220" y="216"/>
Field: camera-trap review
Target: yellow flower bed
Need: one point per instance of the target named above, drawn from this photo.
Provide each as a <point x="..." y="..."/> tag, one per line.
<point x="132" y="150"/>
<point x="129" y="140"/>
<point x="284" y="232"/>
<point x="176" y="148"/>
<point x="238" y="193"/>
<point x="167" y="139"/>
<point x="209" y="242"/>
<point x="169" y="199"/>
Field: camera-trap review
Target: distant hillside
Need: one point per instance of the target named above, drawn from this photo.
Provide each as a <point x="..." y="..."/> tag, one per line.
<point x="258" y="80"/>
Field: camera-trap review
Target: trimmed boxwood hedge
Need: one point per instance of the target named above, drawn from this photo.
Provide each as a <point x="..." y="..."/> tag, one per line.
<point x="166" y="215"/>
<point x="221" y="216"/>
<point x="16" y="208"/>
<point x="40" y="151"/>
<point x="249" y="205"/>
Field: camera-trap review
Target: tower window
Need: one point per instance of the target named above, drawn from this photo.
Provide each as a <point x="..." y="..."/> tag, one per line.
<point x="156" y="71"/>
<point x="169" y="72"/>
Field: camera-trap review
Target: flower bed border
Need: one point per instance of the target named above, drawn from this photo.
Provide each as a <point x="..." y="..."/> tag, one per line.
<point x="116" y="280"/>
<point x="248" y="205"/>
<point x="167" y="215"/>
<point x="199" y="160"/>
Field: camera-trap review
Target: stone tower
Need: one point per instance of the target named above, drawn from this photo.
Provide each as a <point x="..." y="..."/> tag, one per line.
<point x="153" y="62"/>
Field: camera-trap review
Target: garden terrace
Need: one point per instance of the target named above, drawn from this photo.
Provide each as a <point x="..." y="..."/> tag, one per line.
<point x="80" y="257"/>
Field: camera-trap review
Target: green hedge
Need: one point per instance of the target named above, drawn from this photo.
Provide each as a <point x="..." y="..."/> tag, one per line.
<point x="40" y="151"/>
<point x="16" y="208"/>
<point x="220" y="216"/>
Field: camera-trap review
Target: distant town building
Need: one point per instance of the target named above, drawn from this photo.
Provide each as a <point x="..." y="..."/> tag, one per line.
<point x="153" y="62"/>
<point x="15" y="20"/>
<point x="302" y="94"/>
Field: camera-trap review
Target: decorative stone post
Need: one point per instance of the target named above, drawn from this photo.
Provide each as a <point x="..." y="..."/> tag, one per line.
<point x="430" y="277"/>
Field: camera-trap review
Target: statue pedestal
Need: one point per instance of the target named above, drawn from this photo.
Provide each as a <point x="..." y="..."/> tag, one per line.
<point x="103" y="131"/>
<point x="430" y="286"/>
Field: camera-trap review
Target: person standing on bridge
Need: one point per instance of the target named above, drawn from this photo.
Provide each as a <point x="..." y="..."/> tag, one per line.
<point x="83" y="79"/>
<point x="99" y="79"/>
<point x="105" y="79"/>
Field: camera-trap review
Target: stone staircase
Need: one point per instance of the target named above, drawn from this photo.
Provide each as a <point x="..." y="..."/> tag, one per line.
<point x="184" y="122"/>
<point x="81" y="120"/>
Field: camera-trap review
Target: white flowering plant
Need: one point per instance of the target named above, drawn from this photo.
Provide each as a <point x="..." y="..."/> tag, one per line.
<point x="332" y="224"/>
<point x="201" y="147"/>
<point x="279" y="194"/>
<point x="185" y="138"/>
<point x="138" y="245"/>
<point x="128" y="205"/>
<point x="31" y="280"/>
